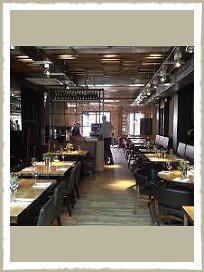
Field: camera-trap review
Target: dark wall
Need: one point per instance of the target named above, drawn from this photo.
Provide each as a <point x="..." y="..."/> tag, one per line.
<point x="186" y="115"/>
<point x="146" y="126"/>
<point x="32" y="102"/>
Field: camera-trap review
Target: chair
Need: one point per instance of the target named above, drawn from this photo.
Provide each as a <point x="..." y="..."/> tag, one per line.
<point x="68" y="194"/>
<point x="45" y="217"/>
<point x="89" y="163"/>
<point x="181" y="150"/>
<point x="169" y="201"/>
<point x="77" y="178"/>
<point x="189" y="153"/>
<point x="145" y="177"/>
<point x="58" y="201"/>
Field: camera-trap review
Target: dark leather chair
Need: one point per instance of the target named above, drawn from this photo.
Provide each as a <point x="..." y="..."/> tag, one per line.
<point x="169" y="201"/>
<point x="45" y="217"/>
<point x="77" y="178"/>
<point x="181" y="150"/>
<point x="68" y="194"/>
<point x="58" y="201"/>
<point x="145" y="177"/>
<point x="189" y="153"/>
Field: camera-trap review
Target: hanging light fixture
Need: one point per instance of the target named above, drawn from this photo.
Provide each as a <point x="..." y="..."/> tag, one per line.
<point x="177" y="58"/>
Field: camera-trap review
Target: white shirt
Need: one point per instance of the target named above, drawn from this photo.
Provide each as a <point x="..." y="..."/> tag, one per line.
<point x="106" y="129"/>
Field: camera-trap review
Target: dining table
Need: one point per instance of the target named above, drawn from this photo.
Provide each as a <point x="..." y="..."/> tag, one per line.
<point x="188" y="212"/>
<point x="152" y="157"/>
<point x="176" y="177"/>
<point x="27" y="193"/>
<point x="56" y="170"/>
<point x="71" y="154"/>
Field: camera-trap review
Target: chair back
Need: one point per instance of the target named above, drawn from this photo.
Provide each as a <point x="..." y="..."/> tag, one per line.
<point x="58" y="199"/>
<point x="181" y="150"/>
<point x="78" y="172"/>
<point x="189" y="153"/>
<point x="69" y="181"/>
<point x="45" y="217"/>
<point x="172" y="198"/>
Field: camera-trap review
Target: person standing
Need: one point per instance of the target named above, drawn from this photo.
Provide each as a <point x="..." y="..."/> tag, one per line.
<point x="106" y="132"/>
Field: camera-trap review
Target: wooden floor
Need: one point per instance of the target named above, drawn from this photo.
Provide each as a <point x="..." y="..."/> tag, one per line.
<point x="105" y="199"/>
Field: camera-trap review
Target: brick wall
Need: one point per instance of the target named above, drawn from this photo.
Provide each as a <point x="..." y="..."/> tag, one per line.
<point x="66" y="116"/>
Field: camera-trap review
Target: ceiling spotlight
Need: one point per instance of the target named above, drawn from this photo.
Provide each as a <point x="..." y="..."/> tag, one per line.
<point x="162" y="79"/>
<point x="177" y="64"/>
<point x="47" y="72"/>
<point x="46" y="65"/>
<point x="177" y="55"/>
<point x="190" y="49"/>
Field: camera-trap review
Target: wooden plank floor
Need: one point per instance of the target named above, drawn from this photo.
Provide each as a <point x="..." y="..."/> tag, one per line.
<point x="105" y="200"/>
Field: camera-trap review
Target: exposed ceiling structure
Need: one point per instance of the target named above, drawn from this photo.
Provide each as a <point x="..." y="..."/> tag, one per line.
<point x="128" y="74"/>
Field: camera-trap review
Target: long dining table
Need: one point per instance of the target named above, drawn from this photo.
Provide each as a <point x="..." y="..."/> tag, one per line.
<point x="57" y="170"/>
<point x="27" y="193"/>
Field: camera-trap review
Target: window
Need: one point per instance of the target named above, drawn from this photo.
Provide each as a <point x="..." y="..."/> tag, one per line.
<point x="135" y="123"/>
<point x="90" y="118"/>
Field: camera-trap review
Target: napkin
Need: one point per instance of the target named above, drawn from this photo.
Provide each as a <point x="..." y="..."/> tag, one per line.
<point x="61" y="169"/>
<point x="21" y="202"/>
<point x="42" y="185"/>
<point x="24" y="199"/>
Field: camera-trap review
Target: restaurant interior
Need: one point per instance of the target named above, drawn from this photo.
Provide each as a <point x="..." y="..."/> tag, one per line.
<point x="59" y="175"/>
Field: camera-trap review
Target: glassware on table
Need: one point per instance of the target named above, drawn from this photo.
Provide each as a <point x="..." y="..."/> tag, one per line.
<point x="14" y="183"/>
<point x="35" y="173"/>
<point x="34" y="162"/>
<point x="169" y="165"/>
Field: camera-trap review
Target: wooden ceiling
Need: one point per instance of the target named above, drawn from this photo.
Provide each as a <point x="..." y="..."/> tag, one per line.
<point x="122" y="71"/>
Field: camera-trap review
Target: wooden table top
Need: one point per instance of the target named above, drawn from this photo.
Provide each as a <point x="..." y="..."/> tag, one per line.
<point x="159" y="158"/>
<point x="72" y="153"/>
<point x="27" y="193"/>
<point x="189" y="212"/>
<point x="176" y="176"/>
<point x="57" y="169"/>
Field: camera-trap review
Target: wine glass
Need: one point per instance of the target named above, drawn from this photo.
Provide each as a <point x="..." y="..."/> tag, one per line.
<point x="13" y="187"/>
<point x="63" y="157"/>
<point x="169" y="166"/>
<point x="35" y="173"/>
<point x="34" y="162"/>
